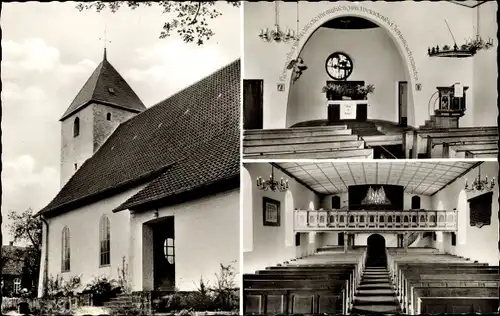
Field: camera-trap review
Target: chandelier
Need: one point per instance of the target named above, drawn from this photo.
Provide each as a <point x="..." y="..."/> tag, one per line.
<point x="480" y="185"/>
<point x="468" y="49"/>
<point x="277" y="34"/>
<point x="272" y="184"/>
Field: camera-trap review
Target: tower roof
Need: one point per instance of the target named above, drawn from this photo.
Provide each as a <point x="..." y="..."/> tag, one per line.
<point x="106" y="86"/>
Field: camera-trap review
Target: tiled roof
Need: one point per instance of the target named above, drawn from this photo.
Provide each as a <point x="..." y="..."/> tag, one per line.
<point x="107" y="86"/>
<point x="13" y="258"/>
<point x="188" y="140"/>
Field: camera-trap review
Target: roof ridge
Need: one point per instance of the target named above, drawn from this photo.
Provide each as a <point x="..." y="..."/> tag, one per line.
<point x="183" y="89"/>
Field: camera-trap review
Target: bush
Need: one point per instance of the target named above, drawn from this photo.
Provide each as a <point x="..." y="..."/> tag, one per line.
<point x="102" y="290"/>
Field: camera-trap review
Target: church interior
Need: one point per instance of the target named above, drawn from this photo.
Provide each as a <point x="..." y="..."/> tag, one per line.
<point x="370" y="237"/>
<point x="383" y="80"/>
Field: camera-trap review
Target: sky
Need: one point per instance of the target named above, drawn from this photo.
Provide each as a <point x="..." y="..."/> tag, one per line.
<point x="50" y="49"/>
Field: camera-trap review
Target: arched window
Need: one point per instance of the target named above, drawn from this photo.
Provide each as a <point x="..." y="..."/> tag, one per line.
<point x="336" y="202"/>
<point x="441" y="218"/>
<point x="405" y="219"/>
<point x="332" y="219"/>
<point x="414" y="218"/>
<point x="372" y="219"/>
<point x="415" y="202"/>
<point x="104" y="241"/>
<point x="422" y="219"/>
<point x="169" y="249"/>
<point x="65" y="250"/>
<point x="351" y="219"/>
<point x="108" y="116"/>
<point x="398" y="219"/>
<point x="341" y="218"/>
<point x="361" y="219"/>
<point x="381" y="219"/>
<point x="76" y="127"/>
<point x="389" y="219"/>
<point x="432" y="219"/>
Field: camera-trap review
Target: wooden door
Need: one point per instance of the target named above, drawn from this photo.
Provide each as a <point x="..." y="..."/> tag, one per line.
<point x="253" y="102"/>
<point x="164" y="255"/>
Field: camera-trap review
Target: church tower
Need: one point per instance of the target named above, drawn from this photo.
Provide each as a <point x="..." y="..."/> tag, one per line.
<point x="105" y="101"/>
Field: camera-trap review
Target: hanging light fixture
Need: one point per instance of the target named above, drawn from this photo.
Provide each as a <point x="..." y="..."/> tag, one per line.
<point x="468" y="49"/>
<point x="276" y="34"/>
<point x="272" y="184"/>
<point x="480" y="185"/>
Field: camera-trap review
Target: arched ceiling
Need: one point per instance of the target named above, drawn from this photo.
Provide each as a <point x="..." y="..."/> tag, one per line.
<point x="423" y="178"/>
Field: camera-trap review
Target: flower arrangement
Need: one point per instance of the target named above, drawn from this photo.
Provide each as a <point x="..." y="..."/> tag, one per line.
<point x="337" y="91"/>
<point x="365" y="90"/>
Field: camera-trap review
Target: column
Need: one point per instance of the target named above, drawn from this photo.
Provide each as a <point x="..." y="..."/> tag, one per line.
<point x="346" y="242"/>
<point x="405" y="241"/>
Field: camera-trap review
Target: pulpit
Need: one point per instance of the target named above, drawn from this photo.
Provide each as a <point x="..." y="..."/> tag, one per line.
<point x="451" y="106"/>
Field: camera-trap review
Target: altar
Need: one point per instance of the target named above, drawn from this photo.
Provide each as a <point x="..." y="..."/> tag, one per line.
<point x="339" y="110"/>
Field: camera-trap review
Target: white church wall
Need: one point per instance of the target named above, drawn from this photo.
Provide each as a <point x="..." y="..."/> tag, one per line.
<point x="83" y="224"/>
<point x="201" y="226"/>
<point x="326" y="202"/>
<point x="486" y="68"/>
<point x="375" y="59"/>
<point x="480" y="244"/>
<point x="271" y="244"/>
<point x="413" y="26"/>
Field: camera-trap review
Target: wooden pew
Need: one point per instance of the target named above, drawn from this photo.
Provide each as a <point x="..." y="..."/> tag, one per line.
<point x="294" y="135"/>
<point x="482" y="153"/>
<point x="302" y="145"/>
<point x="278" y="291"/>
<point x="383" y="140"/>
<point x="459" y="150"/>
<point x="417" y="139"/>
<point x="439" y="141"/>
<point x="438" y="305"/>
<point x="463" y="290"/>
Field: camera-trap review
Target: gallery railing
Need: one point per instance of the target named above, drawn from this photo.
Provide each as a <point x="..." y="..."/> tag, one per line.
<point x="343" y="220"/>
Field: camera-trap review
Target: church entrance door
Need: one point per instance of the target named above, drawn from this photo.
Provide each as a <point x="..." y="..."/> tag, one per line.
<point x="376" y="255"/>
<point x="164" y="255"/>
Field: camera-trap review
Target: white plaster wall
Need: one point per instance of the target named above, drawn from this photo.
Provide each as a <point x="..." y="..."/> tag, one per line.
<point x="83" y="224"/>
<point x="480" y="244"/>
<point x="76" y="149"/>
<point x="486" y="68"/>
<point x="376" y="61"/>
<point x="326" y="201"/>
<point x="271" y="244"/>
<point x="206" y="235"/>
<point x="413" y="26"/>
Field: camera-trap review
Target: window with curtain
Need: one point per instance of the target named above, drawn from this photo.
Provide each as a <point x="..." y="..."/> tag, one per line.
<point x="104" y="241"/>
<point x="480" y="210"/>
<point x="65" y="255"/>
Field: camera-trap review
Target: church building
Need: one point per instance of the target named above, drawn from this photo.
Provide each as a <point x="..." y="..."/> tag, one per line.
<point x="370" y="79"/>
<point x="368" y="237"/>
<point x="155" y="190"/>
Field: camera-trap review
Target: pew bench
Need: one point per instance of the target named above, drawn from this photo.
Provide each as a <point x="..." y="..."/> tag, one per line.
<point x="459" y="150"/>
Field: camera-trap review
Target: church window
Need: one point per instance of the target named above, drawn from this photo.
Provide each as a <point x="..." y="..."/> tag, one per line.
<point x="415" y="202"/>
<point x="17" y="285"/>
<point x="104" y="241"/>
<point x="65" y="255"/>
<point x="76" y="127"/>
<point x="169" y="248"/>
<point x="76" y="166"/>
<point x="336" y="202"/>
<point x="108" y="116"/>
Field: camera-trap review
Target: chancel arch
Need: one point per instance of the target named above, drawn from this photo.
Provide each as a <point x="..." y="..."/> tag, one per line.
<point x="305" y="102"/>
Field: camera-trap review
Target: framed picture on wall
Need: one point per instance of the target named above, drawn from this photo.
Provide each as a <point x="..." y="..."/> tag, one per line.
<point x="271" y="212"/>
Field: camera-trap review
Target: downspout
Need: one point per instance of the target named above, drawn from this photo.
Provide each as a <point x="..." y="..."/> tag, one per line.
<point x="46" y="267"/>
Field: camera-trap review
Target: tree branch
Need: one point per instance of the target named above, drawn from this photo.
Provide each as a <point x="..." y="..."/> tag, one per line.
<point x="196" y="14"/>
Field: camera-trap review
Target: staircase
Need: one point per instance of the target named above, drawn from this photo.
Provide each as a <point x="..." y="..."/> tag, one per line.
<point x="120" y="302"/>
<point x="410" y="239"/>
<point x="442" y="121"/>
<point x="376" y="293"/>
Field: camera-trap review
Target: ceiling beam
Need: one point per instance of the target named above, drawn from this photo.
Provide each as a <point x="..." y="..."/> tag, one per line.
<point x="275" y="165"/>
<point x="461" y="175"/>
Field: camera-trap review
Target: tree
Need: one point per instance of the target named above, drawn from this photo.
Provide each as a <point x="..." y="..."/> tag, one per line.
<point x="26" y="228"/>
<point x="190" y="20"/>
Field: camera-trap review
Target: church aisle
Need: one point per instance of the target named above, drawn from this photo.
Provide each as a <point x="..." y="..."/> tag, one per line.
<point x="376" y="292"/>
